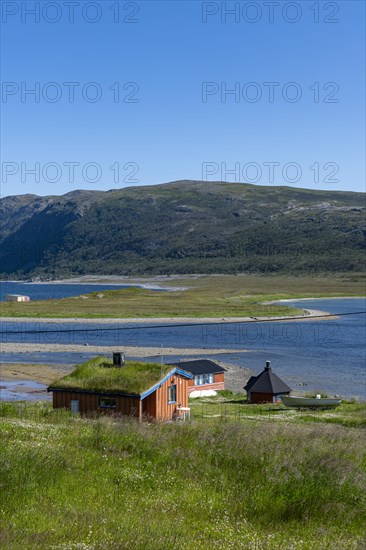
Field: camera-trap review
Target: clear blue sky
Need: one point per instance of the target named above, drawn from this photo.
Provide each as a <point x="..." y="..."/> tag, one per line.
<point x="172" y="130"/>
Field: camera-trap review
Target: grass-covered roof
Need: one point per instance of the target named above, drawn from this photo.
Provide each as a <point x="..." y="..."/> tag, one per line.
<point x="99" y="375"/>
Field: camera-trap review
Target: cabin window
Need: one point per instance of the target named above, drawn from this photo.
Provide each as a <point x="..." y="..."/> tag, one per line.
<point x="203" y="379"/>
<point x="107" y="402"/>
<point x="172" y="394"/>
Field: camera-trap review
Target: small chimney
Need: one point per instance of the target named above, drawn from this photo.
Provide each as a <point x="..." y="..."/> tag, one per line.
<point x="268" y="365"/>
<point x="118" y="359"/>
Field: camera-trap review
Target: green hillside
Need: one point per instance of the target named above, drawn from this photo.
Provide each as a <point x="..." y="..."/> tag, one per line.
<point x="183" y="227"/>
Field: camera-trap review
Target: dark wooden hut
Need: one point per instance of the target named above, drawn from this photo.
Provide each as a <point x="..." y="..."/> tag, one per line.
<point x="267" y="387"/>
<point x="141" y="390"/>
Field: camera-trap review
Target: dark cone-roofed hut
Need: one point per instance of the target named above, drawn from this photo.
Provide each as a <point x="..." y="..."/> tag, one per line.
<point x="267" y="387"/>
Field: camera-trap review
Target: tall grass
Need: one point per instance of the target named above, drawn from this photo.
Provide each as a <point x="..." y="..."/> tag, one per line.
<point x="69" y="482"/>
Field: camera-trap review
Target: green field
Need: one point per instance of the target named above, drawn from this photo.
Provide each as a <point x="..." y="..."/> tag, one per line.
<point x="75" y="483"/>
<point x="206" y="296"/>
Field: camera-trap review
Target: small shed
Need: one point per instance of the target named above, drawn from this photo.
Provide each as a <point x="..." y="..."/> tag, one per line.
<point x="16" y="298"/>
<point x="141" y="390"/>
<point x="206" y="375"/>
<point x="266" y="387"/>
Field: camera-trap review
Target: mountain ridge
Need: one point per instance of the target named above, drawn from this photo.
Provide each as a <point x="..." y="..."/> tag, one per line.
<point x="180" y="227"/>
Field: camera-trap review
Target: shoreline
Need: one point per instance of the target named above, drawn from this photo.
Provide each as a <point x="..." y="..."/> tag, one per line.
<point x="135" y="351"/>
<point x="153" y="282"/>
<point x="309" y="314"/>
<point x="103" y="279"/>
<point x="312" y="298"/>
<point x="125" y="284"/>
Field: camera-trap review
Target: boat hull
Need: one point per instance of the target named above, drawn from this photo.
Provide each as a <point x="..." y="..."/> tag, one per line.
<point x="310" y="402"/>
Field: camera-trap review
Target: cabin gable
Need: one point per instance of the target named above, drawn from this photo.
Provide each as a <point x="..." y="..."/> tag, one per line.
<point x="162" y="404"/>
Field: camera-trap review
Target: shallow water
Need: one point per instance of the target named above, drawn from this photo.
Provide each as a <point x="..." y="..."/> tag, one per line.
<point x="18" y="390"/>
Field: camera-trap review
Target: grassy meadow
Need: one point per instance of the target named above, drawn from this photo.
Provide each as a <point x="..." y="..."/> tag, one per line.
<point x="69" y="482"/>
<point x="229" y="406"/>
<point x="205" y="296"/>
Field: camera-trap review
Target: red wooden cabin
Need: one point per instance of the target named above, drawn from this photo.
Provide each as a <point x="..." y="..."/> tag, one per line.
<point x="206" y="375"/>
<point x="165" y="399"/>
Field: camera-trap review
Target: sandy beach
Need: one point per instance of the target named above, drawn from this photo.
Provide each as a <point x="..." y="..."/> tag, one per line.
<point x="44" y="374"/>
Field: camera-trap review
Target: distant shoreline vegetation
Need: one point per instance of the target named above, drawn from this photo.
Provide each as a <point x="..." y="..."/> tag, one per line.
<point x="59" y="290"/>
<point x="219" y="296"/>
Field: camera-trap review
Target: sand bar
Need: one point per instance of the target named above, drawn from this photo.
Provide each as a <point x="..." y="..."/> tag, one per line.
<point x="45" y="374"/>
<point x="308" y="314"/>
<point x="135" y="351"/>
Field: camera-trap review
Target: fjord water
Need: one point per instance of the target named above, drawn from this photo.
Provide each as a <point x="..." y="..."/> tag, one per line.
<point x="314" y="355"/>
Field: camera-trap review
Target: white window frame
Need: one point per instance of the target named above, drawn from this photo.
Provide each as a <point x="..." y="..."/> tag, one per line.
<point x="172" y="388"/>
<point x="203" y="379"/>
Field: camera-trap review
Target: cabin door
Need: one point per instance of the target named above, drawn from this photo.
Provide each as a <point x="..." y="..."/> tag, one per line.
<point x="74" y="405"/>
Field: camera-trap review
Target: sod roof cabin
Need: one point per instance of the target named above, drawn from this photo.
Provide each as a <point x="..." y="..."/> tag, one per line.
<point x="267" y="387"/>
<point x="149" y="390"/>
<point x="208" y="376"/>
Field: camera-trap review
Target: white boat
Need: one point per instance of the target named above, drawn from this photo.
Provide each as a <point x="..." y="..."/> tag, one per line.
<point x="315" y="402"/>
